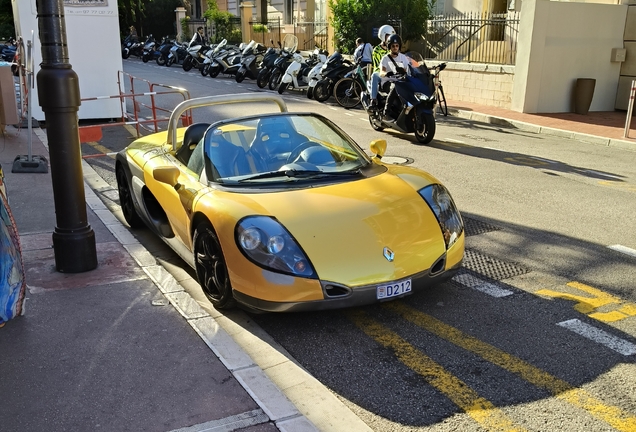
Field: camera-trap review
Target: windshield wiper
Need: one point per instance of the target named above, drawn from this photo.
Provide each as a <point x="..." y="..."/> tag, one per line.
<point x="294" y="173"/>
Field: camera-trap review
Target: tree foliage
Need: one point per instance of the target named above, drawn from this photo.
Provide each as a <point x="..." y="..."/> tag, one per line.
<point x="7" y="27"/>
<point x="223" y="26"/>
<point x="357" y="18"/>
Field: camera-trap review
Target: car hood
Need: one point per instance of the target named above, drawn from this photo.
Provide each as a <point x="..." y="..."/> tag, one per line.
<point x="344" y="228"/>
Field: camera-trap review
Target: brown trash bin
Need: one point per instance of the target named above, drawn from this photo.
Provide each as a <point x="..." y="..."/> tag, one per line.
<point x="583" y="94"/>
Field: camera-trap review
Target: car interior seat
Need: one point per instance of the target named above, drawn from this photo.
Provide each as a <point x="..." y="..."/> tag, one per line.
<point x="193" y="134"/>
<point x="274" y="141"/>
<point x="224" y="159"/>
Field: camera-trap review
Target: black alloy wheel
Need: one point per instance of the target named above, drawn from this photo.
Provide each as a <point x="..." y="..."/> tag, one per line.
<point x="426" y="130"/>
<point x="126" y="201"/>
<point x="210" y="267"/>
<point x="262" y="78"/>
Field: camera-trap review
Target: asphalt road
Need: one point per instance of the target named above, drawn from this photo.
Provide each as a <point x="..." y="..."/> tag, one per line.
<point x="538" y="332"/>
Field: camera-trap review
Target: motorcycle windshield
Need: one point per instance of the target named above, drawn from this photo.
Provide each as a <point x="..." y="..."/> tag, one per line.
<point x="290" y="43"/>
<point x="250" y="46"/>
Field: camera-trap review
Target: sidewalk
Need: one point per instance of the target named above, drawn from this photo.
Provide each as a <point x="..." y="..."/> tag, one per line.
<point x="124" y="347"/>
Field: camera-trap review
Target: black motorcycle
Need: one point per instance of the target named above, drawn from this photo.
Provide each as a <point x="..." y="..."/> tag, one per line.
<point x="8" y="50"/>
<point x="412" y="107"/>
<point x="251" y="57"/>
<point x="280" y="66"/>
<point x="131" y="46"/>
<point x="178" y="53"/>
<point x="161" y="53"/>
<point x="149" y="49"/>
<point x="332" y="71"/>
<point x="266" y="66"/>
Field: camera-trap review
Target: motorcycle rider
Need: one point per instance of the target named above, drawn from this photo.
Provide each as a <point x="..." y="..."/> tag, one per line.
<point x="198" y="38"/>
<point x="393" y="63"/>
<point x="379" y="52"/>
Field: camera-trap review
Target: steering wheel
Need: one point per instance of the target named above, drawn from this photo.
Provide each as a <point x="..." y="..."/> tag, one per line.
<point x="299" y="149"/>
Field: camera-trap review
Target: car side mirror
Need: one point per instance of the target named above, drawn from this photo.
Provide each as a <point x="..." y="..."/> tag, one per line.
<point x="378" y="148"/>
<point x="168" y="175"/>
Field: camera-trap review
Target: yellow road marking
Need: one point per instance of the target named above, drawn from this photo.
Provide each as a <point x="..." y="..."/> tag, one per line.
<point x="101" y="149"/>
<point x="614" y="416"/>
<point x="477" y="407"/>
<point x="587" y="305"/>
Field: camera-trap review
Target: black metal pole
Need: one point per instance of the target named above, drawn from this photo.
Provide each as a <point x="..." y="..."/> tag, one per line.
<point x="59" y="96"/>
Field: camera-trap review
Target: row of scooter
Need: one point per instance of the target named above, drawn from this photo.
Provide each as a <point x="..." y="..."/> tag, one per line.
<point x="279" y="68"/>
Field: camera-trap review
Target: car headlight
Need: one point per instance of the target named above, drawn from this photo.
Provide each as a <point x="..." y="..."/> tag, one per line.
<point x="264" y="241"/>
<point x="440" y="201"/>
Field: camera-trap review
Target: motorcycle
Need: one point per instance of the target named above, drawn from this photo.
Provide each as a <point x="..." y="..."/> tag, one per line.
<point x="413" y="104"/>
<point x="226" y="59"/>
<point x="335" y="68"/>
<point x="149" y="49"/>
<point x="299" y="72"/>
<point x="266" y="66"/>
<point x="161" y="53"/>
<point x="131" y="46"/>
<point x="195" y="57"/>
<point x="278" y="66"/>
<point x="178" y="53"/>
<point x="251" y="56"/>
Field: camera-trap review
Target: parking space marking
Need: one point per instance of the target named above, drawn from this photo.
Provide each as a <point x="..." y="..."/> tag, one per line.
<point x="614" y="416"/>
<point x="589" y="305"/>
<point x="478" y="408"/>
<point x="455" y="141"/>
<point x="623" y="249"/>
<point x="597" y="335"/>
<point x="481" y="285"/>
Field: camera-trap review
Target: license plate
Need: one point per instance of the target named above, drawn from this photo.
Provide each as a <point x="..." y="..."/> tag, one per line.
<point x="394" y="289"/>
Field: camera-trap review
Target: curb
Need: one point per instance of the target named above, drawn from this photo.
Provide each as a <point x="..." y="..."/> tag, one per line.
<point x="533" y="128"/>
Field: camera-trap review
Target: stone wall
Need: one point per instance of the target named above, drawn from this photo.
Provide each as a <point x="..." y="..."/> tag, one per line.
<point x="484" y="84"/>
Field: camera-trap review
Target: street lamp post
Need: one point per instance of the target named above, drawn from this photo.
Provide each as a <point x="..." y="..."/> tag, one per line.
<point x="59" y="96"/>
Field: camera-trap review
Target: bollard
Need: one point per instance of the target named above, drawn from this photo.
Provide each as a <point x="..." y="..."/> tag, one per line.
<point x="630" y="109"/>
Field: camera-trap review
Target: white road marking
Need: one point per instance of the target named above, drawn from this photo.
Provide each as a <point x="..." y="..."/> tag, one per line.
<point x="364" y="119"/>
<point x="623" y="249"/>
<point x="332" y="108"/>
<point x="481" y="285"/>
<point x="455" y="141"/>
<point x="592" y="333"/>
<point x="349" y="114"/>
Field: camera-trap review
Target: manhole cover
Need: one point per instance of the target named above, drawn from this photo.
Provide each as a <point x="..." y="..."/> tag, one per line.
<point x="397" y="160"/>
<point x="491" y="267"/>
<point x="476" y="227"/>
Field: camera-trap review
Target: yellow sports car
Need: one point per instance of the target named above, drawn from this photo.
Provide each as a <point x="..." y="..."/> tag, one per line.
<point x="285" y="212"/>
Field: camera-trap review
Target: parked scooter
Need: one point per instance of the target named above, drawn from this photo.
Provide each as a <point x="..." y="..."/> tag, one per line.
<point x="178" y="54"/>
<point x="332" y="71"/>
<point x="251" y="57"/>
<point x="280" y="66"/>
<point x="149" y="49"/>
<point x="131" y="46"/>
<point x="266" y="67"/>
<point x="412" y="110"/>
<point x="195" y="57"/>
<point x="161" y="53"/>
<point x="8" y="50"/>
<point x="227" y="60"/>
<point x="299" y="72"/>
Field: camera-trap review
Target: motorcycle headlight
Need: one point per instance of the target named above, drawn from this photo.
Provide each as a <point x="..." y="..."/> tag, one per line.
<point x="442" y="205"/>
<point x="423" y="97"/>
<point x="265" y="242"/>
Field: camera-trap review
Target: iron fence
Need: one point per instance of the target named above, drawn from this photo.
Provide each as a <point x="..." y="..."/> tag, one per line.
<point x="309" y="33"/>
<point x="473" y="38"/>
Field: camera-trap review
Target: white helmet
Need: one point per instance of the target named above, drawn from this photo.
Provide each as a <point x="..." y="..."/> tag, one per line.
<point x="385" y="31"/>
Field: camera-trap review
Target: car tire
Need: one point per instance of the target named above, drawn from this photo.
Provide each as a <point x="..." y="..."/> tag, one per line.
<point x="126" y="200"/>
<point x="426" y="135"/>
<point x="210" y="267"/>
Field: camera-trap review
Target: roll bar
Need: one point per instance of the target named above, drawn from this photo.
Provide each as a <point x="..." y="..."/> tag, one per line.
<point x="216" y="100"/>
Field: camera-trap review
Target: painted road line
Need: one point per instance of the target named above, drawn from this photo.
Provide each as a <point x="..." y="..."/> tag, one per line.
<point x="455" y="140"/>
<point x="614" y="416"/>
<point x="364" y="119"/>
<point x="349" y="114"/>
<point x="470" y="281"/>
<point x="478" y="408"/>
<point x="332" y="108"/>
<point x="597" y="335"/>
<point x="623" y="249"/>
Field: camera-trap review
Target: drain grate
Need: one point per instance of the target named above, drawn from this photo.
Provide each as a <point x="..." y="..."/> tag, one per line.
<point x="476" y="227"/>
<point x="491" y="267"/>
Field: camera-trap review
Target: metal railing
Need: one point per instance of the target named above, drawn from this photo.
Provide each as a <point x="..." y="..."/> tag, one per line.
<point x="309" y="33"/>
<point x="473" y="38"/>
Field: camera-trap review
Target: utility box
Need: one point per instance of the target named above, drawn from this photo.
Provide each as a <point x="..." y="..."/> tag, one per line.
<point x="618" y="55"/>
<point x="8" y="101"/>
<point x="94" y="51"/>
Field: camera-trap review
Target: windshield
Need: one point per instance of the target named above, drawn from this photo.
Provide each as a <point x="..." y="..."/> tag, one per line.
<point x="290" y="43"/>
<point x="417" y="62"/>
<point x="246" y="149"/>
